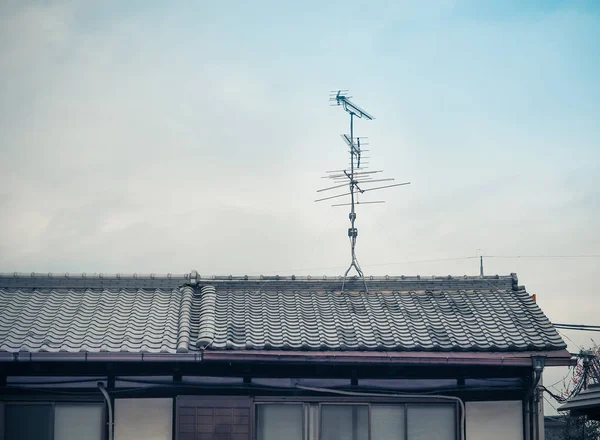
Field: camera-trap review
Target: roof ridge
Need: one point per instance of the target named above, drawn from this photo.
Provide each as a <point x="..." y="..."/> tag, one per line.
<point x="137" y="281"/>
<point x="194" y="275"/>
<point x="97" y="275"/>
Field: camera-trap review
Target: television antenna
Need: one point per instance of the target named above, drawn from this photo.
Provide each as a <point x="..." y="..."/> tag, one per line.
<point x="354" y="177"/>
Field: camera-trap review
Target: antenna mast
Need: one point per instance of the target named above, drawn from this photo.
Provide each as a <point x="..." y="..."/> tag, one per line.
<point x="355" y="177"/>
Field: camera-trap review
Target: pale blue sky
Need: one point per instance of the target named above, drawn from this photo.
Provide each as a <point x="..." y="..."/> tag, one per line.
<point x="164" y="137"/>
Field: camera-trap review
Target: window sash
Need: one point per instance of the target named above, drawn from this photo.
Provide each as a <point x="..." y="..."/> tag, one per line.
<point x="355" y="429"/>
<point x="312" y="414"/>
<point x="37" y="424"/>
<point x="74" y="421"/>
<point x="264" y="407"/>
<point x="51" y="407"/>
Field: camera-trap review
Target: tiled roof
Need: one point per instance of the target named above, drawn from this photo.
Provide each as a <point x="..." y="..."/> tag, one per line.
<point x="180" y="313"/>
<point x="587" y="402"/>
<point x="443" y="320"/>
<point x="152" y="321"/>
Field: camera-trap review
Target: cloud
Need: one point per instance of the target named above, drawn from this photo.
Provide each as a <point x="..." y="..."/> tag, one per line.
<point x="145" y="138"/>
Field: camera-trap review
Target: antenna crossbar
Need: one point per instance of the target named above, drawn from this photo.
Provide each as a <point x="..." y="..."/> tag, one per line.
<point x="356" y="173"/>
<point x="356" y="181"/>
<point x="360" y="191"/>
<point x="360" y="203"/>
<point x="354" y="177"/>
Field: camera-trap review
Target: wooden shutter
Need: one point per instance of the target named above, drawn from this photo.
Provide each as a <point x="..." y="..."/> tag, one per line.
<point x="214" y="418"/>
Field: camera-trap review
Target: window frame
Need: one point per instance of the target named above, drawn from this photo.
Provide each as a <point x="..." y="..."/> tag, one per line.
<point x="305" y="416"/>
<point x="319" y="421"/>
<point x="313" y="426"/>
<point x="53" y="404"/>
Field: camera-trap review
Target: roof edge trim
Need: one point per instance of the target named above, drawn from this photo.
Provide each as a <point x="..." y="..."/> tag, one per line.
<point x="554" y="358"/>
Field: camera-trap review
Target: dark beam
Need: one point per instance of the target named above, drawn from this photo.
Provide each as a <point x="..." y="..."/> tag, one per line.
<point x="224" y="369"/>
<point x="177" y="376"/>
<point x="91" y="394"/>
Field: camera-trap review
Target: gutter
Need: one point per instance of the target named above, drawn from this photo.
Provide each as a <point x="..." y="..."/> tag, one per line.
<point x="509" y="359"/>
<point x="515" y="359"/>
<point x="25" y="356"/>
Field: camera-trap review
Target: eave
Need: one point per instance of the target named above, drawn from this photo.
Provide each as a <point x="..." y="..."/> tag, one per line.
<point x="513" y="359"/>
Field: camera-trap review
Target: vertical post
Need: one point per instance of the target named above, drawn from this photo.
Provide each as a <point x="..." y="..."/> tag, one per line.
<point x="481" y="265"/>
<point x="352" y="231"/>
<point x="352" y="213"/>
<point x="352" y="186"/>
<point x="351" y="128"/>
<point x="587" y="357"/>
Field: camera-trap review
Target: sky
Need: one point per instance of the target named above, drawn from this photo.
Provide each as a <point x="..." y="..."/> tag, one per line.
<point x="149" y="136"/>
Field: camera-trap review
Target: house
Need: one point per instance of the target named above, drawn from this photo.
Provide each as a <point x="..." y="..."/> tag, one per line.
<point x="180" y="356"/>
<point x="586" y="403"/>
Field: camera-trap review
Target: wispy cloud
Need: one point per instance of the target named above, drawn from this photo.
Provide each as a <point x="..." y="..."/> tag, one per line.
<point x="146" y="136"/>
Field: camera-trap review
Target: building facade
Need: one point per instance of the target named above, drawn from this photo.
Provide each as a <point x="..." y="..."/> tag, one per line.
<point x="186" y="357"/>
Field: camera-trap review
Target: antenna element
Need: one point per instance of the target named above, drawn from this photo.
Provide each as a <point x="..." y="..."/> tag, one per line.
<point x="356" y="179"/>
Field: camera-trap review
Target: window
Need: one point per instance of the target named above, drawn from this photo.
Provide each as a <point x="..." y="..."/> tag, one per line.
<point x="18" y="426"/>
<point x="387" y="422"/>
<point x="74" y="422"/>
<point x="275" y="422"/>
<point x="355" y="421"/>
<point x="53" y="421"/>
<point x="431" y="421"/>
<point x="341" y="422"/>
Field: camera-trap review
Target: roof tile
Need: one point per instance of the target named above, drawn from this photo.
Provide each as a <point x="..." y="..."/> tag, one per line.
<point x="154" y="321"/>
<point x="493" y="320"/>
<point x="178" y="315"/>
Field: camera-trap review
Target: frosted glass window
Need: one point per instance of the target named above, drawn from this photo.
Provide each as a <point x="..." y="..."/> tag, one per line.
<point x="426" y="422"/>
<point x="144" y="419"/>
<point x="344" y="422"/>
<point x="27" y="422"/>
<point x="75" y="422"/>
<point x="387" y="422"/>
<point x="277" y="422"/>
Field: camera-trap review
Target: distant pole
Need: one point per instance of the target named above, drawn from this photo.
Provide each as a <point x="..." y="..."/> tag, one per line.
<point x="481" y="265"/>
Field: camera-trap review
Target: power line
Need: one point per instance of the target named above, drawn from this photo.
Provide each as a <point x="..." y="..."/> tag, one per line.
<point x="550" y="403"/>
<point x="421" y="261"/>
<point x="570" y="372"/>
<point x="588" y="367"/>
<point x="565" y="336"/>
<point x="543" y="256"/>
<point x="580" y="327"/>
<point x="435" y="260"/>
<point x="367" y="265"/>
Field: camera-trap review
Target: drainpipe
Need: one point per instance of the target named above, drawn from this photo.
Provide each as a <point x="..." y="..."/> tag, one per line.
<point x="526" y="418"/>
<point x="538" y="367"/>
<point x="110" y="409"/>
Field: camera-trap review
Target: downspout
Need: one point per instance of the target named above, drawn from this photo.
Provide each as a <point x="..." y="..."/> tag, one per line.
<point x="533" y="413"/>
<point x="526" y="419"/>
<point x="534" y="396"/>
<point x="530" y="407"/>
<point x="110" y="409"/>
<point x="360" y="394"/>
